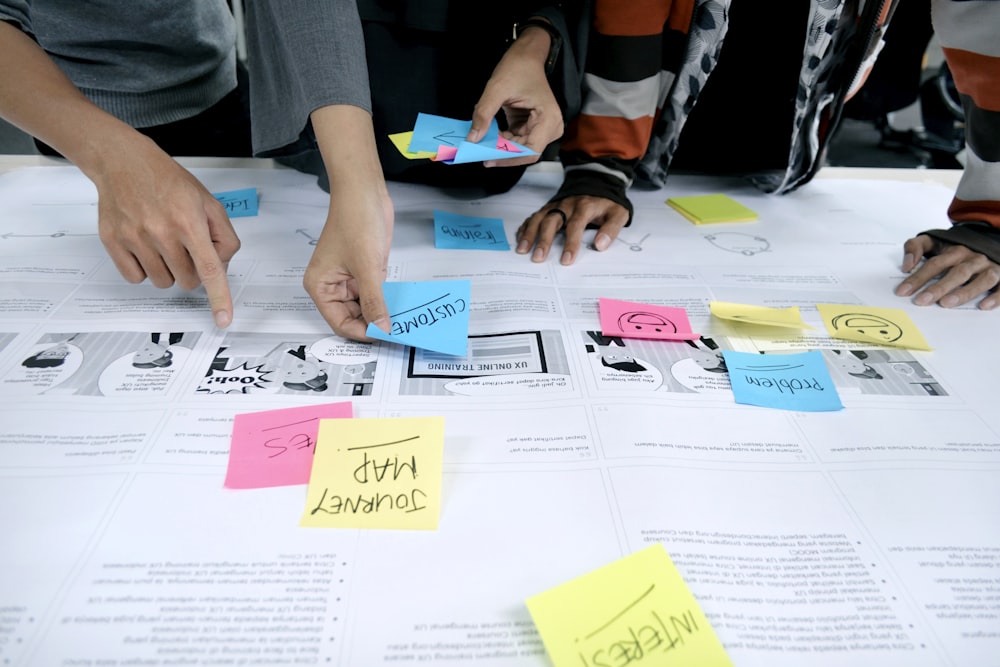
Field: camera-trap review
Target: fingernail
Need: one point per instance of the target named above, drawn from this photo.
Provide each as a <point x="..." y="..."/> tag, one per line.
<point x="566" y="259"/>
<point x="538" y="255"/>
<point x="602" y="242"/>
<point x="474" y="136"/>
<point x="908" y="262"/>
<point x="904" y="289"/>
<point x="949" y="301"/>
<point x="522" y="247"/>
<point x="223" y="319"/>
<point x="924" y="299"/>
<point x="988" y="304"/>
<point x="383" y="323"/>
<point x="489" y="163"/>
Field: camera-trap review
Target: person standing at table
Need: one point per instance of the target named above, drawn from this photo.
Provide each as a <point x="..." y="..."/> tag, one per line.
<point x="723" y="87"/>
<point x="81" y="77"/>
<point x="331" y="80"/>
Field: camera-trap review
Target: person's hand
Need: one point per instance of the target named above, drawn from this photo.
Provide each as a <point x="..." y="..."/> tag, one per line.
<point x="158" y="221"/>
<point x="574" y="214"/>
<point x="348" y="266"/>
<point x="948" y="275"/>
<point x="519" y="87"/>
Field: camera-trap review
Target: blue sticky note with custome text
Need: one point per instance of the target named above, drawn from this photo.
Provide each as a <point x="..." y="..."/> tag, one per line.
<point x="239" y="203"/>
<point x="465" y="232"/>
<point x="797" y="381"/>
<point x="432" y="315"/>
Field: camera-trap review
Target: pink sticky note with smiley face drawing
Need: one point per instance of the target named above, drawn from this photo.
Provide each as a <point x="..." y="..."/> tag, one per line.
<point x="628" y="319"/>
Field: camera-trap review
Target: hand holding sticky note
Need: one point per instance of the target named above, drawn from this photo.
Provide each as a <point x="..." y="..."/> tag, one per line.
<point x="443" y="139"/>
<point x="376" y="473"/>
<point x="636" y="610"/>
<point x="432" y="315"/>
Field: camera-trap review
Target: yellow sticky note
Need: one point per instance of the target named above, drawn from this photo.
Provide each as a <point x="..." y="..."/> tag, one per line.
<point x="635" y="611"/>
<point x="402" y="140"/>
<point x="869" y="324"/>
<point x="747" y="314"/>
<point x="376" y="473"/>
<point x="704" y="209"/>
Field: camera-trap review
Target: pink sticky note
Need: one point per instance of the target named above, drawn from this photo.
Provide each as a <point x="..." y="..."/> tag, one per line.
<point x="275" y="447"/>
<point x="508" y="146"/>
<point x="642" y="320"/>
<point x="446" y="153"/>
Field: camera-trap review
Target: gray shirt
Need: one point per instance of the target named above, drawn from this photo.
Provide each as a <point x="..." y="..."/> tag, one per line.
<point x="302" y="55"/>
<point x="147" y="62"/>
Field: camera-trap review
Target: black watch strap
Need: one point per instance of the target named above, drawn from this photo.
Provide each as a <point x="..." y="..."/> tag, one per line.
<point x="555" y="43"/>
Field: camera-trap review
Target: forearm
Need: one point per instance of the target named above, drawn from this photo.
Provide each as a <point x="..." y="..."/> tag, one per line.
<point x="38" y="98"/>
<point x="346" y="140"/>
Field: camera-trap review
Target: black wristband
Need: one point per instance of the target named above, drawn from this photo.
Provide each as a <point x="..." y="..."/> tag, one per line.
<point x="555" y="39"/>
<point x="584" y="182"/>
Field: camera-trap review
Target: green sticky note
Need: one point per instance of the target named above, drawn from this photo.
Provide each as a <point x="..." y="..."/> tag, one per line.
<point x="705" y="209"/>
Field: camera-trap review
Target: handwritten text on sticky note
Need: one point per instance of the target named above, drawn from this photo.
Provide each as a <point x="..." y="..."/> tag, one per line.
<point x="466" y="232"/>
<point x="798" y="381"/>
<point x="635" y="611"/>
<point x="377" y="473"/>
<point x="275" y="447"/>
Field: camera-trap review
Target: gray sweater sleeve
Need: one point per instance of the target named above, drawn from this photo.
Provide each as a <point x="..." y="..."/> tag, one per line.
<point x="302" y="55"/>
<point x="16" y="12"/>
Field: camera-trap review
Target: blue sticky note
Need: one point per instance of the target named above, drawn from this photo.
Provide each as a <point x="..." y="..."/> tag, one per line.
<point x="239" y="203"/>
<point x="798" y="381"/>
<point x="431" y="131"/>
<point x="466" y="232"/>
<point x="432" y="315"/>
<point x="479" y="152"/>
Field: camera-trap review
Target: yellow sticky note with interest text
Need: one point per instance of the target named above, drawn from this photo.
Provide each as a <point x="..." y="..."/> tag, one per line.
<point x="637" y="610"/>
<point x="376" y="473"/>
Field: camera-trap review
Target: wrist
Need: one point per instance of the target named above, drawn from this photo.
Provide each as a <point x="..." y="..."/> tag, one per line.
<point x="539" y="38"/>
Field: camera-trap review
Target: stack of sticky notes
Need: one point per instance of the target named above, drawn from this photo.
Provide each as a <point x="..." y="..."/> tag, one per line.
<point x="704" y="209"/>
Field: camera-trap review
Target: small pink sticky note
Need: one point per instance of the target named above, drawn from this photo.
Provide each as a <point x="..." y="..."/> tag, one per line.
<point x="642" y="320"/>
<point x="275" y="447"/>
<point x="446" y="153"/>
<point x="509" y="146"/>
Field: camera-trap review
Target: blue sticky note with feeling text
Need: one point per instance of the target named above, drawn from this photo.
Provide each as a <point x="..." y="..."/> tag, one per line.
<point x="238" y="203"/>
<point x="797" y="381"/>
<point x="432" y="315"/>
<point x="465" y="232"/>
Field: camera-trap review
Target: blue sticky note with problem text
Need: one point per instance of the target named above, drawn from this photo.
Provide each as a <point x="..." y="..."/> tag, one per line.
<point x="238" y="203"/>
<point x="797" y="381"/>
<point x="432" y="315"/>
<point x="465" y="232"/>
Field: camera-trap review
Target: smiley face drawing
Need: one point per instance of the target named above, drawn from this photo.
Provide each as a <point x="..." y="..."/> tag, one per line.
<point x="643" y="322"/>
<point x="873" y="327"/>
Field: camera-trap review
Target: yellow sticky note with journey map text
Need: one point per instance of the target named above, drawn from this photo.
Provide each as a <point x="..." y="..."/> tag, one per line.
<point x="376" y="473"/>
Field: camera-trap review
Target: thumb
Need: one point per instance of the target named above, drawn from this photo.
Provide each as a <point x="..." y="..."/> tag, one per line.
<point x="372" y="301"/>
<point x="483" y="114"/>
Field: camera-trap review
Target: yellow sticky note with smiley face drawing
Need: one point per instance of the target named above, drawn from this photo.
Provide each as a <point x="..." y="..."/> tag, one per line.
<point x="870" y="324"/>
<point x="637" y="610"/>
